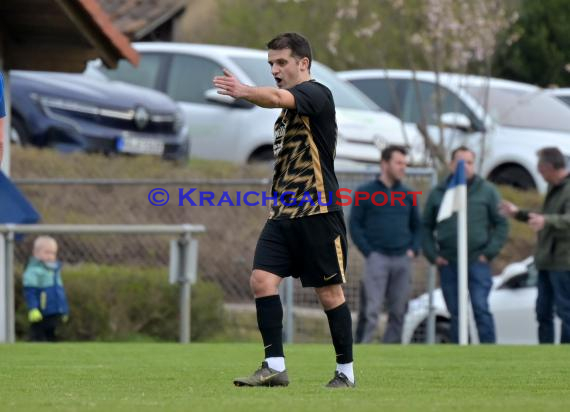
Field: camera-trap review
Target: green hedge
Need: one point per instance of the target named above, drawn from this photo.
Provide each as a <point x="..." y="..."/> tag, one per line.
<point x="110" y="303"/>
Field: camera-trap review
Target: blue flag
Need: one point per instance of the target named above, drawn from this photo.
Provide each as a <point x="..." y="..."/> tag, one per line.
<point x="455" y="197"/>
<point x="14" y="206"/>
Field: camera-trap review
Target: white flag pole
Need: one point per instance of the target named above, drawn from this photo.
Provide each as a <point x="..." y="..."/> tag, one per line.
<point x="462" y="264"/>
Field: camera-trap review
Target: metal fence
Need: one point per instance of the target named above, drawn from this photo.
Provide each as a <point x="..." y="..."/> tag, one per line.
<point x="182" y="262"/>
<point x="226" y="250"/>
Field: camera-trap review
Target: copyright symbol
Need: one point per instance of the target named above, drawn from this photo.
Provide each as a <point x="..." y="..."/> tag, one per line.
<point x="158" y="197"/>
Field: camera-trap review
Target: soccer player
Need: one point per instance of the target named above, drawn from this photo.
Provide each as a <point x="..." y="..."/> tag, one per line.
<point x="305" y="235"/>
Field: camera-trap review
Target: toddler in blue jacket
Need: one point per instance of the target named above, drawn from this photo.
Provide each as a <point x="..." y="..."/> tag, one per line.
<point x="43" y="291"/>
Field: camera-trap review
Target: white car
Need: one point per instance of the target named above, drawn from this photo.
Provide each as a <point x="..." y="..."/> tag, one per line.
<point x="512" y="302"/>
<point x="235" y="130"/>
<point x="562" y="94"/>
<point x="504" y="122"/>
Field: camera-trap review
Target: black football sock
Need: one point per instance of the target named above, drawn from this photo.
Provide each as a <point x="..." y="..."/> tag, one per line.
<point x="340" y="324"/>
<point x="270" y="323"/>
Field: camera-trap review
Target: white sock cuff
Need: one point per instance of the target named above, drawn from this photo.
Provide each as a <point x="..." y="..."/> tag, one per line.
<point x="276" y="363"/>
<point x="347" y="369"/>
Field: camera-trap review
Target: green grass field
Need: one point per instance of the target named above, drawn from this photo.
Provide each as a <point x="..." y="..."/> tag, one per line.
<point x="198" y="377"/>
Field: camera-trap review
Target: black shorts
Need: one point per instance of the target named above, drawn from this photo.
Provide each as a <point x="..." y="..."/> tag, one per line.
<point x="312" y="248"/>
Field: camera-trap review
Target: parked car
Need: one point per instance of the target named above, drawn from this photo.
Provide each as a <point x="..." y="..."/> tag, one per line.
<point x="236" y="130"/>
<point x="505" y="122"/>
<point x="562" y="94"/>
<point x="512" y="302"/>
<point x="76" y="112"/>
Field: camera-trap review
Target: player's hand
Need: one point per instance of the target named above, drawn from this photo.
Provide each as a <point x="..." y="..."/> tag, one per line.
<point x="439" y="261"/>
<point x="230" y="86"/>
<point x="508" y="209"/>
<point x="410" y="253"/>
<point x="65" y="318"/>
<point x="536" y="221"/>
<point x="34" y="315"/>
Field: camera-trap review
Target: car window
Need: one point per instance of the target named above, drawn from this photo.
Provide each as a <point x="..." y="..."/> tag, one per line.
<point x="190" y="76"/>
<point x="420" y="99"/>
<point x="146" y="74"/>
<point x="386" y="93"/>
<point x="345" y="95"/>
<point x="516" y="282"/>
<point x="526" y="279"/>
<point x="564" y="99"/>
<point x="521" y="108"/>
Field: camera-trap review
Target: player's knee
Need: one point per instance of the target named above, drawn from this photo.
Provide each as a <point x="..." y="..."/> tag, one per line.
<point x="331" y="296"/>
<point x="261" y="284"/>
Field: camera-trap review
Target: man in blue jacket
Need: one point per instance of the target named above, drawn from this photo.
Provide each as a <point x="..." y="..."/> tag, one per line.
<point x="43" y="291"/>
<point x="389" y="237"/>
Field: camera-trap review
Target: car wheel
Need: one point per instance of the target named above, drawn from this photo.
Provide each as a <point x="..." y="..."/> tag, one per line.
<point x="441" y="333"/>
<point x="262" y="155"/>
<point x="18" y="132"/>
<point x="513" y="175"/>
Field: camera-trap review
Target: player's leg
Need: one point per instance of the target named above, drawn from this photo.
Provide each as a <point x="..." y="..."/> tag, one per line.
<point x="264" y="286"/>
<point x="322" y="253"/>
<point x="272" y="372"/>
<point x="271" y="264"/>
<point x="340" y="324"/>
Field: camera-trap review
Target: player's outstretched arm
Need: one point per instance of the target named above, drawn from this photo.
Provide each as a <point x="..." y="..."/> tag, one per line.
<point x="269" y="97"/>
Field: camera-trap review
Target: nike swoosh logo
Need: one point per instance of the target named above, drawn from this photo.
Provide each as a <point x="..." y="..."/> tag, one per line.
<point x="326" y="278"/>
<point x="266" y="378"/>
<point x="265" y="347"/>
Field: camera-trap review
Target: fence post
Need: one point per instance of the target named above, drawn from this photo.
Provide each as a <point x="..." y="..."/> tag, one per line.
<point x="183" y="279"/>
<point x="289" y="322"/>
<point x="430" y="335"/>
<point x="3" y="291"/>
<point x="10" y="289"/>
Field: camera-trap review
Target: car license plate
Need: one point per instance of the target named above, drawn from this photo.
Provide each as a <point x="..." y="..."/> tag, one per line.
<point x="128" y="144"/>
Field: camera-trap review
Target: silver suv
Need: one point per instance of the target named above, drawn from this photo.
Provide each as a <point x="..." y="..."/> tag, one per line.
<point x="235" y="130"/>
<point x="505" y="122"/>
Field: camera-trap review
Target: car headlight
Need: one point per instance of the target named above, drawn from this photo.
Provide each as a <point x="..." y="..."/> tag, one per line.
<point x="50" y="103"/>
<point x="179" y="121"/>
<point x="63" y="104"/>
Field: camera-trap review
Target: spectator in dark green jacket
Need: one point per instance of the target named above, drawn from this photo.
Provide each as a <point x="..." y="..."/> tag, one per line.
<point x="388" y="236"/>
<point x="552" y="255"/>
<point x="487" y="232"/>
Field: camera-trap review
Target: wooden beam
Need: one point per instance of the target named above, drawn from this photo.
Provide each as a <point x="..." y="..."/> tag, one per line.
<point x="87" y="29"/>
<point x="48" y="58"/>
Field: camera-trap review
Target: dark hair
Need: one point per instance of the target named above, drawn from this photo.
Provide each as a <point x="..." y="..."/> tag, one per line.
<point x="461" y="149"/>
<point x="299" y="45"/>
<point x="388" y="151"/>
<point x="552" y="156"/>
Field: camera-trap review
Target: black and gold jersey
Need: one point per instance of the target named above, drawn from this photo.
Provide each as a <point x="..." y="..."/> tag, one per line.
<point x="304" y="181"/>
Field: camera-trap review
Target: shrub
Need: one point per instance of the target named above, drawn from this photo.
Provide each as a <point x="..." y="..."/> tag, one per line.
<point x="109" y="303"/>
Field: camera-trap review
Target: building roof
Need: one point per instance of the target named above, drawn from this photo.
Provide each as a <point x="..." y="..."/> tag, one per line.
<point x="137" y="18"/>
<point x="59" y="35"/>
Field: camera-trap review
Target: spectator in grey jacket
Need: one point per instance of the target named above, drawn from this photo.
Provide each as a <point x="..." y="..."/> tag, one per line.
<point x="389" y="237"/>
